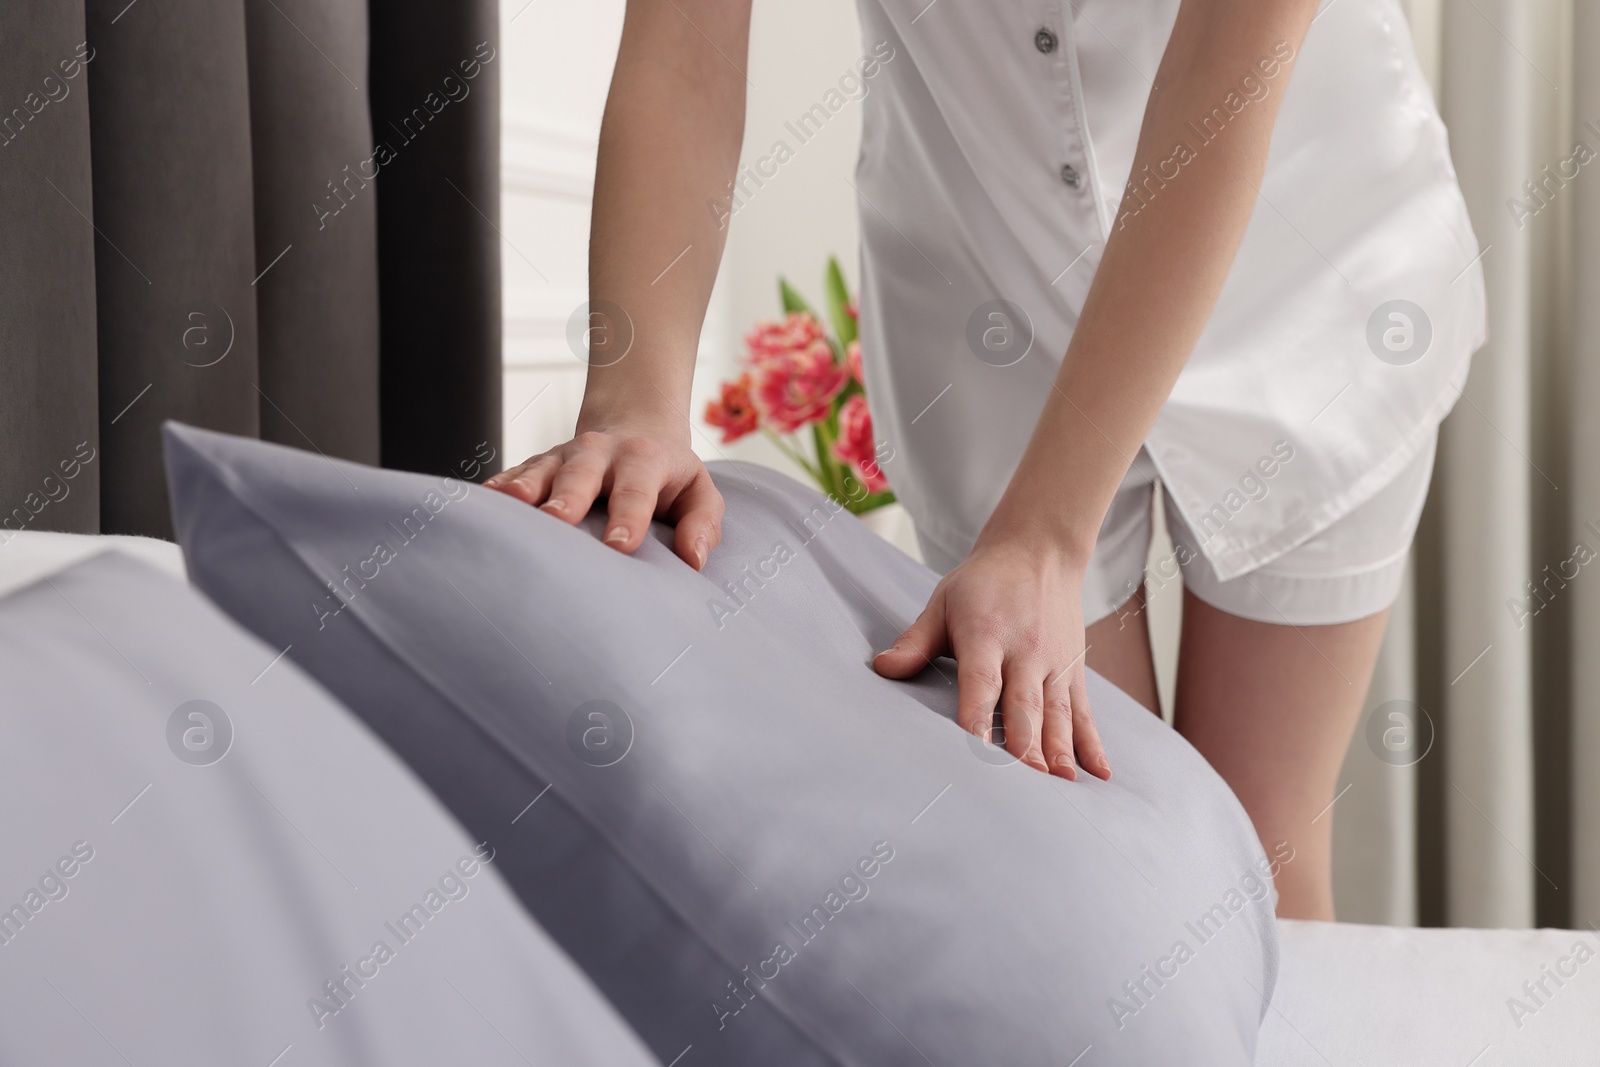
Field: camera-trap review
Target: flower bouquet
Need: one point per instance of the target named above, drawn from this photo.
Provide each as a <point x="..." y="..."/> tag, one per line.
<point x="797" y="377"/>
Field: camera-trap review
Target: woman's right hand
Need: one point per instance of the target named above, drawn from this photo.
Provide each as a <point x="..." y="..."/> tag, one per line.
<point x="644" y="472"/>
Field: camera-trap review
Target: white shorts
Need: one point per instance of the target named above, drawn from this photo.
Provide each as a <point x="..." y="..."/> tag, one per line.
<point x="1348" y="571"/>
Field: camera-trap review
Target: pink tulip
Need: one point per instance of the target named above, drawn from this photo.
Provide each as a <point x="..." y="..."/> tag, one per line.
<point x="797" y="332"/>
<point x="856" y="446"/>
<point x="733" y="412"/>
<point x="794" y="375"/>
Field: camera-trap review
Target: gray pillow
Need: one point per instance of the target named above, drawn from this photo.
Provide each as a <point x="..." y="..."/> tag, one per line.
<point x="761" y="851"/>
<point x="202" y="851"/>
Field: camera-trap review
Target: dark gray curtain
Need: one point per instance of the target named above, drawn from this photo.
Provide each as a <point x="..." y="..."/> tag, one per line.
<point x="269" y="217"/>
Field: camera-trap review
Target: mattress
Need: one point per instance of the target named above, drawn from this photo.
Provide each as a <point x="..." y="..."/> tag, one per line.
<point x="1381" y="996"/>
<point x="1363" y="996"/>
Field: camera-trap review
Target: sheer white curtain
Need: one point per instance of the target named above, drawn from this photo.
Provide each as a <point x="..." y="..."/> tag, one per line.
<point x="1499" y="823"/>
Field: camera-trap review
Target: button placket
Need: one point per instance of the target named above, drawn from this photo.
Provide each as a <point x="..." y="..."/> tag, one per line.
<point x="1065" y="59"/>
<point x="1046" y="41"/>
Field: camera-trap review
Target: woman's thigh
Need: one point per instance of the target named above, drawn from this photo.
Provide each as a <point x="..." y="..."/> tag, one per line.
<point x="1272" y="708"/>
<point x="1119" y="650"/>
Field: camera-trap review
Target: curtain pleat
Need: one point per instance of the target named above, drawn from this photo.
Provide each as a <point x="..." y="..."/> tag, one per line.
<point x="316" y="223"/>
<point x="49" y="394"/>
<point x="440" y="281"/>
<point x="1486" y="496"/>
<point x="1584" y="521"/>
<point x="169" y="121"/>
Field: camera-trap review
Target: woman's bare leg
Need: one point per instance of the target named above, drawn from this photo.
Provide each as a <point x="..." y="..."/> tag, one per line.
<point x="1272" y="708"/>
<point x="1119" y="650"/>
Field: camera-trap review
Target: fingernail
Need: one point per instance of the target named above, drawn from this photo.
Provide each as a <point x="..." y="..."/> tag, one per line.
<point x="700" y="552"/>
<point x="553" y="505"/>
<point x="1063" y="761"/>
<point x="617" y="535"/>
<point x="1105" y="766"/>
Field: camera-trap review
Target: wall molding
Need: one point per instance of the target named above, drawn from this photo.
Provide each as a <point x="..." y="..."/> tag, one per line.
<point x="543" y="160"/>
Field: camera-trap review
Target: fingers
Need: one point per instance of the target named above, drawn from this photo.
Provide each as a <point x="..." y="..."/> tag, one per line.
<point x="1058" y="747"/>
<point x="697" y="511"/>
<point x="638" y="474"/>
<point x="530" y="481"/>
<point x="915" y="649"/>
<point x="1070" y="735"/>
<point x="1085" y="735"/>
<point x="1022" y="712"/>
<point x="978" y="683"/>
<point x="641" y="478"/>
<point x="574" y="488"/>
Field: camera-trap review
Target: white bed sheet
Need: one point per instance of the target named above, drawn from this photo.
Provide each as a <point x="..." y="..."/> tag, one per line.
<point x="1378" y="996"/>
<point x="29" y="555"/>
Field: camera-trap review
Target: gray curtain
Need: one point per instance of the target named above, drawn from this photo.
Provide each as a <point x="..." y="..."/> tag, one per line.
<point x="270" y="217"/>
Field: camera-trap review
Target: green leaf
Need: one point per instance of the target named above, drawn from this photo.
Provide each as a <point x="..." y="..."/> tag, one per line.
<point x="871" y="503"/>
<point x="844" y="327"/>
<point x="827" y="465"/>
<point x="792" y="301"/>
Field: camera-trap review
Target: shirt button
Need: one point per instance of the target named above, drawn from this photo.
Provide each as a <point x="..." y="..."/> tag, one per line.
<point x="1070" y="175"/>
<point x="1044" y="41"/>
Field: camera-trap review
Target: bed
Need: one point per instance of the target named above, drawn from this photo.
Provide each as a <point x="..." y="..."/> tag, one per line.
<point x="1382" y="996"/>
<point x="1345" y="994"/>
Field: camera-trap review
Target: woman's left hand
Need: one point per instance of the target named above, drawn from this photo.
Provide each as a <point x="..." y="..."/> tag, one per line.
<point x="1011" y="614"/>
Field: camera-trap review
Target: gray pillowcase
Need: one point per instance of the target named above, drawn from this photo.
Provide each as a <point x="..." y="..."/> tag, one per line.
<point x="761" y="851"/>
<point x="202" y="852"/>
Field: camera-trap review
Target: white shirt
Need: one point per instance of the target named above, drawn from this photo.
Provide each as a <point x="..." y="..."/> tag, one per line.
<point x="997" y="141"/>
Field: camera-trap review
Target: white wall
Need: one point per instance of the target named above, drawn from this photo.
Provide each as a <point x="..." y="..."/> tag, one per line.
<point x="555" y="65"/>
<point x="557" y="60"/>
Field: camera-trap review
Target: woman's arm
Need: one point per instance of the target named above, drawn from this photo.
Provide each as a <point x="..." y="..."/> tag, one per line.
<point x="1004" y="613"/>
<point x="669" y="143"/>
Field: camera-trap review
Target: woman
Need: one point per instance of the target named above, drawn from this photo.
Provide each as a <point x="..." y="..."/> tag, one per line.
<point x="1271" y="337"/>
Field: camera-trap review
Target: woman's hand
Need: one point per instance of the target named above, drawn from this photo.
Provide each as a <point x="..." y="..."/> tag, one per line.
<point x="1012" y="617"/>
<point x="644" y="472"/>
